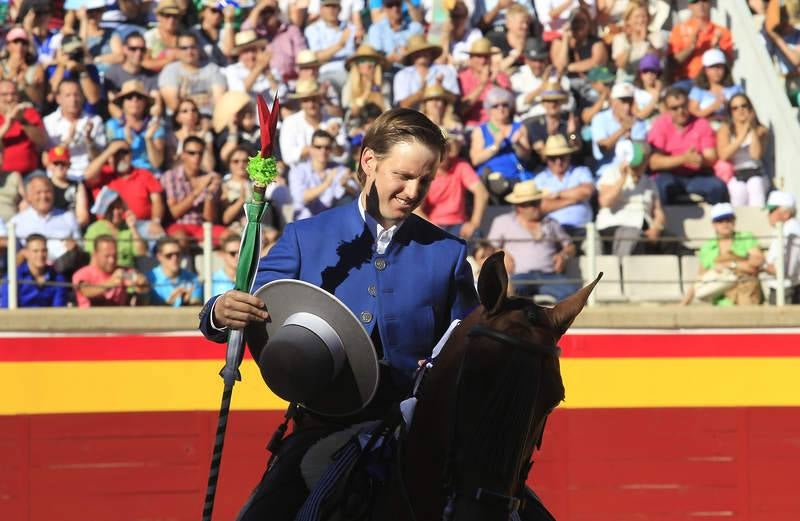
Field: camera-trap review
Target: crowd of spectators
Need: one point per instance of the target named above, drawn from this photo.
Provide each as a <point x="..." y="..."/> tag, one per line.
<point x="126" y="125"/>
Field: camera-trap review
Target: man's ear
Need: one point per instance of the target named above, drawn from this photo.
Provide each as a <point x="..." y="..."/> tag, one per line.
<point x="368" y="162"/>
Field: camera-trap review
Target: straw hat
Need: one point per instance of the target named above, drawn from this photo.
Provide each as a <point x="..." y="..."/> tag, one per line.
<point x="481" y="47"/>
<point x="228" y="105"/>
<point x="553" y="92"/>
<point x="524" y="192"/>
<point x="129" y="88"/>
<point x="168" y="7"/>
<point x="366" y="51"/>
<point x="247" y="39"/>
<point x="417" y="44"/>
<point x="306" y="58"/>
<point x="308" y="88"/>
<point x="557" y="145"/>
<point x="436" y="91"/>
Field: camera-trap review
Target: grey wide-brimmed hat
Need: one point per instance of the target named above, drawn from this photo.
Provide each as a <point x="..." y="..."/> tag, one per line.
<point x="315" y="351"/>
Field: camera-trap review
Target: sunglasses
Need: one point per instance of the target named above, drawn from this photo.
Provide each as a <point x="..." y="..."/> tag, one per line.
<point x="322" y="147"/>
<point x="744" y="106"/>
<point x="195" y="152"/>
<point x="169" y="16"/>
<point x="556" y="159"/>
<point x="61" y="164"/>
<point x="530" y="204"/>
<point x="136" y="49"/>
<point x="171" y="254"/>
<point x="725" y="220"/>
<point x="187" y="47"/>
<point x="677" y="108"/>
<point x="19" y="41"/>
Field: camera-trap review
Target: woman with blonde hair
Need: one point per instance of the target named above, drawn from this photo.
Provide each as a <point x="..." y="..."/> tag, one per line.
<point x="365" y="81"/>
<point x="636" y="40"/>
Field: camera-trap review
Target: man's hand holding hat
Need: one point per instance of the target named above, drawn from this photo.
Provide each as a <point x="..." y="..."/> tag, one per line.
<point x="236" y="309"/>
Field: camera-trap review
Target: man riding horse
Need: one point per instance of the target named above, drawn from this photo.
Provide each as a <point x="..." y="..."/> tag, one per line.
<point x="404" y="278"/>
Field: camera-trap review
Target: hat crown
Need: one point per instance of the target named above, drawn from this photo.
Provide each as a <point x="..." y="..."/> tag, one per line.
<point x="557" y="145"/>
<point x="245" y="37"/>
<point x="720" y="210"/>
<point x="525" y="191"/>
<point x="481" y="46"/>
<point x="305" y="57"/>
<point x="167" y="5"/>
<point x="714" y="57"/>
<point x="306" y="86"/>
<point x="434" y="91"/>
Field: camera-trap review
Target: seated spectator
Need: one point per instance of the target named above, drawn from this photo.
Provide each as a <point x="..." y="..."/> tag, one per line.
<point x="493" y="16"/>
<point x="251" y="72"/>
<point x="210" y="32"/>
<point x="741" y="144"/>
<point x="187" y="122"/>
<point x="116" y="220"/>
<point x="615" y="124"/>
<point x="684" y="152"/>
<point x="131" y="68"/>
<point x="555" y="15"/>
<point x="285" y="40"/>
<point x="22" y="131"/>
<point x="390" y="34"/>
<point x="69" y="196"/>
<point x="594" y="96"/>
<point x="139" y="124"/>
<point x="554" y="121"/>
<point x="631" y="219"/>
<point x="41" y="217"/>
<point x="512" y="38"/>
<point x="44" y="39"/>
<point x="437" y="104"/>
<point x="532" y="80"/>
<point x="458" y="35"/>
<point x="782" y="208"/>
<point x="783" y="44"/>
<point x="476" y="80"/>
<point x="11" y="192"/>
<point x="71" y="128"/>
<point x="237" y="189"/>
<point x="138" y="188"/>
<point x="192" y="194"/>
<point x="636" y="40"/>
<point x="103" y="283"/>
<point x="539" y="246"/>
<point x="446" y="202"/>
<point x="420" y="71"/>
<point x="729" y="264"/>
<point x="297" y="129"/>
<point x="713" y="88"/>
<point x="318" y="184"/>
<point x="224" y="278"/>
<point x="192" y="78"/>
<point x="647" y="97"/>
<point x="365" y="81"/>
<point x="689" y="40"/>
<point x="162" y="40"/>
<point x="333" y="41"/>
<point x="171" y="285"/>
<point x="501" y="144"/>
<point x="73" y="63"/>
<point x="21" y="67"/>
<point x="578" y="50"/>
<point x="102" y="43"/>
<point x="37" y="282"/>
<point x="235" y="124"/>
<point x="308" y="69"/>
<point x="482" y="250"/>
<point x="569" y="188"/>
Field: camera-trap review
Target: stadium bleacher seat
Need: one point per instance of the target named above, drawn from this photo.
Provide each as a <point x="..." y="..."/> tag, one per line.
<point x="690" y="265"/>
<point x="609" y="289"/>
<point x="651" y="278"/>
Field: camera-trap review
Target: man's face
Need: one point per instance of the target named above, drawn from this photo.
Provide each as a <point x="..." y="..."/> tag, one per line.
<point x="231" y="252"/>
<point x="622" y="107"/>
<point x="530" y="210"/>
<point x="58" y="168"/>
<point x="398" y="183"/>
<point x="330" y="13"/>
<point x="552" y="108"/>
<point x="40" y="195"/>
<point x="536" y="66"/>
<point x="189" y="51"/>
<point x="8" y="95"/>
<point x="423" y="58"/>
<point x="558" y="164"/>
<point x="134" y="51"/>
<point x="779" y="215"/>
<point x="213" y="15"/>
<point x="678" y="107"/>
<point x="105" y="256"/>
<point x="701" y="9"/>
<point x="35" y="253"/>
<point x="724" y="228"/>
<point x="478" y="62"/>
<point x="169" y="22"/>
<point x="121" y="160"/>
<point x="321" y="149"/>
<point x="310" y="106"/>
<point x="170" y="259"/>
<point x="394" y="10"/>
<point x="70" y="98"/>
<point x="192" y="155"/>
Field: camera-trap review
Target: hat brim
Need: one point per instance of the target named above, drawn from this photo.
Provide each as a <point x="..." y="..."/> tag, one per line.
<point x="317" y="94"/>
<point x="121" y="97"/>
<point x="554" y="97"/>
<point x="355" y="385"/>
<point x="231" y="103"/>
<point x="519" y="199"/>
<point x="379" y="60"/>
<point x="724" y="216"/>
<point x="169" y="10"/>
<point x="409" y="57"/>
<point x="258" y="42"/>
<point x="555" y="152"/>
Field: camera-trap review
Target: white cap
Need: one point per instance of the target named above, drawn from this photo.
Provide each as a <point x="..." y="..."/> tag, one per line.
<point x="104" y="200"/>
<point x="778" y="199"/>
<point x="721" y="211"/>
<point x="622" y="90"/>
<point x="714" y="57"/>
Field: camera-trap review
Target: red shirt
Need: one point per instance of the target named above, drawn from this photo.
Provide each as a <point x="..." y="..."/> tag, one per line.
<point x="20" y="153"/>
<point x="134" y="188"/>
<point x="666" y="138"/>
<point x="468" y="81"/>
<point x="446" y="201"/>
<point x="116" y="296"/>
<point x="681" y="36"/>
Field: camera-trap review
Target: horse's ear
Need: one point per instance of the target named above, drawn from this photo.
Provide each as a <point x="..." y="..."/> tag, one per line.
<point x="564" y="313"/>
<point x="493" y="282"/>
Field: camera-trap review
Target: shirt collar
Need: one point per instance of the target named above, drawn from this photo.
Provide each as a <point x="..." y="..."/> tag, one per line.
<point x="383" y="236"/>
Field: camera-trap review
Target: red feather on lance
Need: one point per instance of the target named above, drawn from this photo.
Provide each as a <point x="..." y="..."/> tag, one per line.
<point x="262" y="167"/>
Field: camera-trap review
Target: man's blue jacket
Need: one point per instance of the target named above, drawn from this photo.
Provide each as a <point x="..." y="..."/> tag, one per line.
<point x="411" y="293"/>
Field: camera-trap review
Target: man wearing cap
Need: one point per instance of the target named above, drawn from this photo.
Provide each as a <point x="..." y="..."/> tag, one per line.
<point x="421" y="71"/>
<point x="684" y="153"/>
<point x="21" y="131"/>
<point x="190" y="78"/>
<point x="37" y="281"/>
<point x="69" y="195"/>
<point x="539" y="245"/>
<point x="83" y="135"/>
<point x="536" y="76"/>
<point x="568" y="187"/>
<point x="333" y="41"/>
<point x="391" y="33"/>
<point x="782" y="207"/>
<point x="690" y="39"/>
<point x="616" y="123"/>
<point x="596" y="99"/>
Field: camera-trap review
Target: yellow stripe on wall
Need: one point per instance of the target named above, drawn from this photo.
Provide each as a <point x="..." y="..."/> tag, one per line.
<point x="137" y="386"/>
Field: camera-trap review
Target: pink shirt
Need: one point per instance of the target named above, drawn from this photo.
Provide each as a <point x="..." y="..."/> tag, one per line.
<point x="90" y="274"/>
<point x="477" y="115"/>
<point x="445" y="203"/>
<point x="667" y="139"/>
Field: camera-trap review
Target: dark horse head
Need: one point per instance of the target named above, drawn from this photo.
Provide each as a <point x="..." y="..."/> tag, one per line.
<point x="483" y="406"/>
